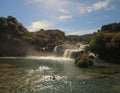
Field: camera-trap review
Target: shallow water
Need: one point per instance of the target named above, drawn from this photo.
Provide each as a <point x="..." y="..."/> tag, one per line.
<point x="56" y="75"/>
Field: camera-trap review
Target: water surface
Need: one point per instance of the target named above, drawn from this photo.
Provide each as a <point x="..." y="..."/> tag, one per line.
<point x="56" y="75"/>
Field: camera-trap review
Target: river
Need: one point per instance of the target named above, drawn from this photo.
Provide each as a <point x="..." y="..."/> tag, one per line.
<point x="56" y="75"/>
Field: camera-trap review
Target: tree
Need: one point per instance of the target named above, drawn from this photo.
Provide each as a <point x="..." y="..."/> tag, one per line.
<point x="106" y="43"/>
<point x="16" y="40"/>
<point x="114" y="27"/>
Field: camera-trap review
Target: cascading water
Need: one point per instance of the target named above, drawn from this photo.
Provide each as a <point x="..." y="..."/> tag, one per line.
<point x="74" y="53"/>
<point x="66" y="53"/>
<point x="60" y="49"/>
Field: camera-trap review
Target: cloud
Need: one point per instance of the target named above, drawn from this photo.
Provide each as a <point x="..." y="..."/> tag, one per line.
<point x="95" y="6"/>
<point x="64" y="17"/>
<point x="74" y="33"/>
<point x="100" y="5"/>
<point x="37" y="25"/>
<point x="57" y="10"/>
<point x="48" y="3"/>
<point x="55" y="6"/>
<point x="111" y="8"/>
<point x="64" y="11"/>
<point x="82" y="32"/>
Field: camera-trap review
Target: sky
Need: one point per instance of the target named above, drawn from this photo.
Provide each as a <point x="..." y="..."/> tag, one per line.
<point x="74" y="17"/>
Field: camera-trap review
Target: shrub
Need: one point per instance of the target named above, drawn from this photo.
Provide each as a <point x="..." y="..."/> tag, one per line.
<point x="106" y="46"/>
<point x="84" y="60"/>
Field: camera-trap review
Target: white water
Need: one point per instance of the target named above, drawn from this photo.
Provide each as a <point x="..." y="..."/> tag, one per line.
<point x="47" y="77"/>
<point x="39" y="58"/>
<point x="72" y="53"/>
<point x="75" y="52"/>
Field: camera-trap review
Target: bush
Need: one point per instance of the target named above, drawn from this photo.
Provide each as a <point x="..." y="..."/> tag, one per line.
<point x="106" y="46"/>
<point x="84" y="60"/>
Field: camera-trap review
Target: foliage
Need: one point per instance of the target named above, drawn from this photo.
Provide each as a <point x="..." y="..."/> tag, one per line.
<point x="16" y="40"/>
<point x="84" y="60"/>
<point x="114" y="27"/>
<point x="77" y="38"/>
<point x="107" y="44"/>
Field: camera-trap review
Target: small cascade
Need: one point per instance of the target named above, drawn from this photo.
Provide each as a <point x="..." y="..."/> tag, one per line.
<point x="66" y="53"/>
<point x="59" y="49"/>
<point x="69" y="51"/>
<point x="72" y="53"/>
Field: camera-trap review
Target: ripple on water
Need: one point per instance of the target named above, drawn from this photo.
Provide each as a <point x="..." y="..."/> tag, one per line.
<point x="39" y="79"/>
<point x="39" y="69"/>
<point x="49" y="82"/>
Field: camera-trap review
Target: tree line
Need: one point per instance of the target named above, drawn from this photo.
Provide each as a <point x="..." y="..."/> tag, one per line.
<point x="78" y="38"/>
<point x="16" y="40"/>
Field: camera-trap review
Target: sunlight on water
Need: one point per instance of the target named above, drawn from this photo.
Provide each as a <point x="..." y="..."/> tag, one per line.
<point x="48" y="58"/>
<point x="39" y="57"/>
<point x="39" y="74"/>
<point x="39" y="79"/>
<point x="44" y="78"/>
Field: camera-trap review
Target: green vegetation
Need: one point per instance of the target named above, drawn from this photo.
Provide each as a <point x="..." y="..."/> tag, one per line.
<point x="84" y="60"/>
<point x="106" y="43"/>
<point x="76" y="38"/>
<point x="16" y="40"/>
<point x="114" y="27"/>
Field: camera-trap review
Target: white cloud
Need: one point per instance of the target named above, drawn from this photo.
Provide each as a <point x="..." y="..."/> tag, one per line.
<point x="102" y="4"/>
<point x="54" y="7"/>
<point x="64" y="17"/>
<point x="39" y="25"/>
<point x="81" y="32"/>
<point x="74" y="33"/>
<point x="65" y="11"/>
<point x="95" y="6"/>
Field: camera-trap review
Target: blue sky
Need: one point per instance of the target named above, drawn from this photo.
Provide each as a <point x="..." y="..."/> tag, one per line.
<point x="75" y="17"/>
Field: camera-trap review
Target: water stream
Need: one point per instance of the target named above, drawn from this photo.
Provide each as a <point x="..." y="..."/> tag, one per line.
<point x="55" y="75"/>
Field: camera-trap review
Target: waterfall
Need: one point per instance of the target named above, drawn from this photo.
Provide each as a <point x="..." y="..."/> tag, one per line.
<point x="66" y="53"/>
<point x="69" y="51"/>
<point x="72" y="53"/>
<point x="75" y="52"/>
<point x="59" y="49"/>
